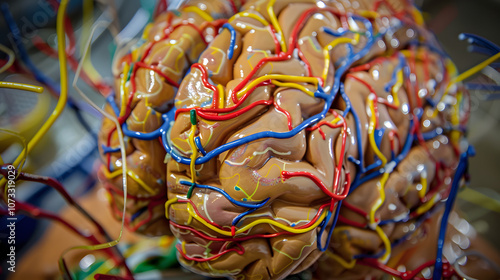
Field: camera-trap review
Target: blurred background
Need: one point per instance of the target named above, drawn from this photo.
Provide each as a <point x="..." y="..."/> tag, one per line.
<point x="68" y="152"/>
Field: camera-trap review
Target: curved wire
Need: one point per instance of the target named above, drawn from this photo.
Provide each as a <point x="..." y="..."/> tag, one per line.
<point x="11" y="58"/>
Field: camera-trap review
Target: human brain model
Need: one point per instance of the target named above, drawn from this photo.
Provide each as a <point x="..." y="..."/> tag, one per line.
<point x="288" y="132"/>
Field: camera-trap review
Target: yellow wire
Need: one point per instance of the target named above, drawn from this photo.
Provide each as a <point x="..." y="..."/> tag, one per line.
<point x="221" y="96"/>
<point x="131" y="174"/>
<point x="135" y="54"/>
<point x="428" y="205"/>
<point x="194" y="155"/>
<point x="123" y="89"/>
<point x="371" y="130"/>
<point x="287" y="78"/>
<point x="21" y="86"/>
<point x="103" y="268"/>
<point x="61" y="40"/>
<point x="333" y="44"/>
<point x="340" y="260"/>
<point x="167" y="205"/>
<point x="88" y="8"/>
<point x="250" y="15"/>
<point x="10" y="60"/>
<point x="423" y="190"/>
<point x="369" y="14"/>
<point x="387" y="245"/>
<point x="397" y="87"/>
<point x="294" y="85"/>
<point x="417" y="15"/>
<point x="480" y="199"/>
<point x="455" y="120"/>
<point x="254" y="223"/>
<point x="275" y="23"/>
<point x="204" y="15"/>
<point x="61" y="103"/>
<point x="183" y="246"/>
<point x="23" y="153"/>
<point x="380" y="184"/>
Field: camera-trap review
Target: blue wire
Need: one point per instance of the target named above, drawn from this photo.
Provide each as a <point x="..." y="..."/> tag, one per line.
<point x="323" y="227"/>
<point x="406" y="149"/>
<point x="480" y="41"/>
<point x="334" y="33"/>
<point x="480" y="50"/>
<point x="148" y="135"/>
<point x="240" y="216"/>
<point x="432" y="134"/>
<point x="106" y="149"/>
<point x="232" y="42"/>
<point x="392" y="82"/>
<point x="197" y="141"/>
<point x="111" y="100"/>
<point x="348" y="104"/>
<point x="235" y="202"/>
<point x="320" y="232"/>
<point x="460" y="171"/>
<point x="138" y="213"/>
<point x="402" y="239"/>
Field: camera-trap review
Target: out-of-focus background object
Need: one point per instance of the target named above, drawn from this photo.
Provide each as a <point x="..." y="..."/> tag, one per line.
<point x="69" y="152"/>
<point x="447" y="19"/>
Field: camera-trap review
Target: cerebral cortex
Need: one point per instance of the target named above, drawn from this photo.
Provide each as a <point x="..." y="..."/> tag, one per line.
<point x="270" y="136"/>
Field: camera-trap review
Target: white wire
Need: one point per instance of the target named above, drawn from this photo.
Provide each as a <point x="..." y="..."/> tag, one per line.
<point x="109" y="116"/>
<point x="456" y="265"/>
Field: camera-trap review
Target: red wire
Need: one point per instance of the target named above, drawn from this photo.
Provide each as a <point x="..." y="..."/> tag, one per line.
<point x="287" y="114"/>
<point x="350" y="222"/>
<point x="288" y="174"/>
<point x="161" y="7"/>
<point x="372" y="90"/>
<point x="233" y="6"/>
<point x="39" y="213"/>
<point x="306" y="62"/>
<point x="354" y="209"/>
<point x="234" y="114"/>
<point x="159" y="72"/>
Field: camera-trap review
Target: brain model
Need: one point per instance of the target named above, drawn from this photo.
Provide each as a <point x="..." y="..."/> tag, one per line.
<point x="288" y="134"/>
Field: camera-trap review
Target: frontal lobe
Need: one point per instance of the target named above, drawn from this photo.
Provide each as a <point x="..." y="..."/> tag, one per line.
<point x="277" y="121"/>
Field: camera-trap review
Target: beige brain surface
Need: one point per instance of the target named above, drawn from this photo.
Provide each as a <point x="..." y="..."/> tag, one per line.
<point x="288" y="110"/>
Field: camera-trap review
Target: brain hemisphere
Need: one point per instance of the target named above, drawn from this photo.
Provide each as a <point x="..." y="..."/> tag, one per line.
<point x="290" y="108"/>
<point x="264" y="195"/>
